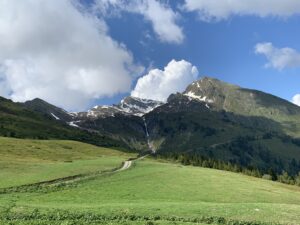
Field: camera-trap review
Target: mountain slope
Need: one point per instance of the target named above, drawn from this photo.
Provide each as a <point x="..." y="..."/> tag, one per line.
<point x="122" y="121"/>
<point x="216" y="120"/>
<point x="129" y="106"/>
<point x="210" y="119"/>
<point x="40" y="106"/>
<point x="34" y="120"/>
<point x="125" y="128"/>
<point x="231" y="98"/>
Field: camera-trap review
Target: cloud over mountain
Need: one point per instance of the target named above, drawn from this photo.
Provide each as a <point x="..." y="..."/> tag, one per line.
<point x="296" y="99"/>
<point x="56" y="51"/>
<point x="159" y="84"/>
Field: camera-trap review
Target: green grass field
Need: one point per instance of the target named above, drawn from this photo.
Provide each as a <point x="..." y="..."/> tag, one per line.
<point x="149" y="192"/>
<point x="29" y="161"/>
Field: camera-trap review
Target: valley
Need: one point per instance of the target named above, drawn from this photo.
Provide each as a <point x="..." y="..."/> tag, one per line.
<point x="149" y="112"/>
<point x="79" y="168"/>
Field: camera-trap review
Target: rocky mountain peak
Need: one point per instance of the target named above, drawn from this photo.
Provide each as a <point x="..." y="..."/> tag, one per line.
<point x="138" y="106"/>
<point x="209" y="90"/>
<point x="41" y="106"/>
<point x="224" y="96"/>
<point x="128" y="106"/>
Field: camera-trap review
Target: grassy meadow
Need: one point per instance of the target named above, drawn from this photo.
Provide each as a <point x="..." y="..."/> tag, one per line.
<point x="30" y="161"/>
<point x="149" y="192"/>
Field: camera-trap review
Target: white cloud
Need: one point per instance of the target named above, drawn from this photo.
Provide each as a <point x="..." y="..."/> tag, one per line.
<point x="160" y="15"/>
<point x="220" y="10"/>
<point x="296" y="99"/>
<point x="159" y="84"/>
<point x="53" y="50"/>
<point x="278" y="58"/>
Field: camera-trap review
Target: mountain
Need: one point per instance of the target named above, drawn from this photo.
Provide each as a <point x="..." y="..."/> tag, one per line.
<point x="231" y="98"/>
<point x="217" y="120"/>
<point x="122" y="122"/>
<point x="129" y="106"/>
<point x="211" y="119"/>
<point x="117" y="126"/>
<point x="137" y="106"/>
<point x="38" y="119"/>
<point x="43" y="107"/>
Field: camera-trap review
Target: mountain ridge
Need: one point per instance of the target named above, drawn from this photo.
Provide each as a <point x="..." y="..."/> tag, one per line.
<point x="218" y="92"/>
<point x="211" y="119"/>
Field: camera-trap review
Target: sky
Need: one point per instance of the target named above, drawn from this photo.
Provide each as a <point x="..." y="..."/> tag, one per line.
<point x="80" y="53"/>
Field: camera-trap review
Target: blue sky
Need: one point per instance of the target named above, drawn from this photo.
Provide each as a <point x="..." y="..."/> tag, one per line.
<point x="79" y="53"/>
<point x="224" y="49"/>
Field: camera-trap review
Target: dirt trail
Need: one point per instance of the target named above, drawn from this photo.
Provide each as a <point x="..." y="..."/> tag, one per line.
<point x="126" y="165"/>
<point x="66" y="180"/>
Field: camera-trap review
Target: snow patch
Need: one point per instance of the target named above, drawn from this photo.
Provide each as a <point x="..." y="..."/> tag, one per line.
<point x="146" y="106"/>
<point x="141" y="110"/>
<point x="73" y="123"/>
<point x="57" y="118"/>
<point x="128" y="106"/>
<point x="91" y="113"/>
<point x="73" y="114"/>
<point x="192" y="95"/>
<point x="101" y="107"/>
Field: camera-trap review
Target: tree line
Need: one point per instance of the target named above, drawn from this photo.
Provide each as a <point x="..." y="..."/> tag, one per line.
<point x="203" y="161"/>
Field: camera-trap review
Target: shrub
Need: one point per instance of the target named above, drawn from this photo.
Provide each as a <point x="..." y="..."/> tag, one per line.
<point x="267" y="177"/>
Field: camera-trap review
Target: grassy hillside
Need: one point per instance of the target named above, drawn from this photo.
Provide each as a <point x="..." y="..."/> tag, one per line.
<point x="29" y="161"/>
<point x="153" y="192"/>
<point x="26" y="121"/>
<point x="247" y="102"/>
<point x="126" y="129"/>
<point x="250" y="142"/>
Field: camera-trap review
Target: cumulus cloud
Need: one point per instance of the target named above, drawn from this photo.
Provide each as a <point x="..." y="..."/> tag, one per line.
<point x="55" y="51"/>
<point x="278" y="58"/>
<point x="159" y="84"/>
<point x="296" y="99"/>
<point x="219" y="10"/>
<point x="159" y="14"/>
